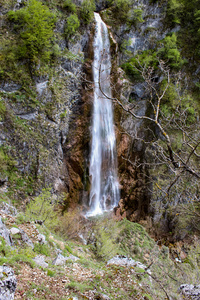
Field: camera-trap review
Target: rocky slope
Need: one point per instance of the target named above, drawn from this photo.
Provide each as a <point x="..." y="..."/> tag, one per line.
<point x="117" y="260"/>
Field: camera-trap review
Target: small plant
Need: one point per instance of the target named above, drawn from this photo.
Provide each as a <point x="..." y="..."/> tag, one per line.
<point x="51" y="273"/>
<point x="81" y="287"/>
<point x="42" y="249"/>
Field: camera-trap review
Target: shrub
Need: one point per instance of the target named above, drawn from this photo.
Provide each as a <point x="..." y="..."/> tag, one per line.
<point x="87" y="11"/>
<point x="69" y="6"/>
<point x="42" y="209"/>
<point x="174" y="9"/>
<point x="35" y="22"/>
<point x="135" y="17"/>
<point x="170" y="53"/>
<point x="72" y="25"/>
<point x="42" y="249"/>
<point x="121" y="9"/>
<point x="2" y="110"/>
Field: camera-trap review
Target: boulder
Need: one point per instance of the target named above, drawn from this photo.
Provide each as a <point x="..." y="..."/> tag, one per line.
<point x="40" y="261"/>
<point x="123" y="261"/>
<point x="14" y="230"/>
<point x="59" y="260"/>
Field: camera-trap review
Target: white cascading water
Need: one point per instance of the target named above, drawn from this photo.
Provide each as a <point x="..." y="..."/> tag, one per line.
<point x="104" y="194"/>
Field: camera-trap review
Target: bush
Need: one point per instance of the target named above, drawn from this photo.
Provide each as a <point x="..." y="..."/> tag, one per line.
<point x="121" y="9"/>
<point x="35" y="22"/>
<point x="41" y="209"/>
<point x="170" y="53"/>
<point x="135" y="17"/>
<point x="87" y="11"/>
<point x="42" y="249"/>
<point x="174" y="9"/>
<point x="69" y="6"/>
<point x="72" y="25"/>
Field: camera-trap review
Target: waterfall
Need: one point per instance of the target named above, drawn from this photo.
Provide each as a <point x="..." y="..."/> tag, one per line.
<point x="104" y="194"/>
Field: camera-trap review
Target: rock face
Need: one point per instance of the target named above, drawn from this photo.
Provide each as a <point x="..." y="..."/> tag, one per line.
<point x="132" y="157"/>
<point x="76" y="147"/>
<point x="8" y="283"/>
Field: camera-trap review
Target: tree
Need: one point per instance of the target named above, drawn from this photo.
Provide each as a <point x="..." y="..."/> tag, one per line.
<point x="35" y="24"/>
<point x="173" y="143"/>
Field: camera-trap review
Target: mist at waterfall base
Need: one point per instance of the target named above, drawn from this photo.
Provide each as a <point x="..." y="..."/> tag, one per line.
<point x="104" y="193"/>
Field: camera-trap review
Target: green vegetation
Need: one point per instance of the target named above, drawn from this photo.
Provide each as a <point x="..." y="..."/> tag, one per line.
<point x="168" y="51"/>
<point x="35" y="22"/>
<point x="42" y="249"/>
<point x="70" y="6"/>
<point x="72" y="25"/>
<point x="186" y="14"/>
<point x="42" y="209"/>
<point x="87" y="11"/>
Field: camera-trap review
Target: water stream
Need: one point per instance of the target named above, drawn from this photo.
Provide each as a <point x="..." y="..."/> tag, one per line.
<point x="104" y="194"/>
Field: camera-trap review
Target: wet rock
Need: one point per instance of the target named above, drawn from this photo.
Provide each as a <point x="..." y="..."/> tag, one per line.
<point x="190" y="291"/>
<point x="5" y="233"/>
<point x="8" y="283"/>
<point x="123" y="261"/>
<point x="40" y="261"/>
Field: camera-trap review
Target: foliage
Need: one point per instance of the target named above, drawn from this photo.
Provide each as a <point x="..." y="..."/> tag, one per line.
<point x="2" y="110"/>
<point x="42" y="249"/>
<point x="132" y="66"/>
<point x="80" y="286"/>
<point x="187" y="218"/>
<point x="42" y="209"/>
<point x="87" y="11"/>
<point x="72" y="25"/>
<point x="7" y="163"/>
<point x="135" y="17"/>
<point x="174" y="10"/>
<point x="35" y="23"/>
<point x="125" y="238"/>
<point x="121" y="9"/>
<point x="70" y="6"/>
<point x="169" y="52"/>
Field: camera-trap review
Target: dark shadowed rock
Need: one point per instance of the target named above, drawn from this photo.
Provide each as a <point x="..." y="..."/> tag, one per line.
<point x="5" y="233"/>
<point x="8" y="283"/>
